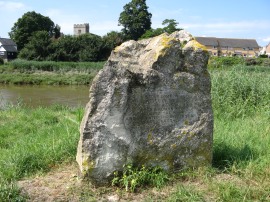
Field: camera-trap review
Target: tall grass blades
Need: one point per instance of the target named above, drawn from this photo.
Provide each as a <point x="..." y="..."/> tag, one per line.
<point x="21" y="72"/>
<point x="240" y="91"/>
<point x="51" y="66"/>
<point x="241" y="106"/>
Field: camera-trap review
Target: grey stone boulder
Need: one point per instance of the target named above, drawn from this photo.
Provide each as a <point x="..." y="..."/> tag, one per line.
<point x="150" y="105"/>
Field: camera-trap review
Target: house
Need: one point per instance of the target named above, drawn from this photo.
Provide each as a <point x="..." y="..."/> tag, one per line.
<point x="267" y="50"/>
<point x="8" y="49"/>
<point x="229" y="46"/>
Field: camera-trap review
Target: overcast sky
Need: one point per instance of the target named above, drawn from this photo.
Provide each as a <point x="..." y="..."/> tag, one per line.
<point x="215" y="18"/>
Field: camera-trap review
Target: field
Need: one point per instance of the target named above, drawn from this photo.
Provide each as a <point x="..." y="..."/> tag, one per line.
<point x="41" y="142"/>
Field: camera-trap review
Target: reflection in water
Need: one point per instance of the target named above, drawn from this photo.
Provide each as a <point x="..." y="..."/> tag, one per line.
<point x="35" y="96"/>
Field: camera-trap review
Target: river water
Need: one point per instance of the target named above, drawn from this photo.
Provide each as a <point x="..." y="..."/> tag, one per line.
<point x="35" y="96"/>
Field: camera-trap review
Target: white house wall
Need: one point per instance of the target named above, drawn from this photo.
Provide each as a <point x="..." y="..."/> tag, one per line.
<point x="2" y="49"/>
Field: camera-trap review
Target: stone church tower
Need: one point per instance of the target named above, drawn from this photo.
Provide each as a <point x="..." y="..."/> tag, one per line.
<point x="81" y="29"/>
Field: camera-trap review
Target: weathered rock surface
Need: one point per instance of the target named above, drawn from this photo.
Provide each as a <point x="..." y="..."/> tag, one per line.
<point x="149" y="105"/>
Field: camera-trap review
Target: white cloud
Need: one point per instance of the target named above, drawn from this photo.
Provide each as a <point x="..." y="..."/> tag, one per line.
<point x="267" y="39"/>
<point x="11" y="6"/>
<point x="64" y="20"/>
<point x="241" y="25"/>
<point x="102" y="28"/>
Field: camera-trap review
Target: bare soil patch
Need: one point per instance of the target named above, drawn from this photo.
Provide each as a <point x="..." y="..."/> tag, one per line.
<point x="54" y="186"/>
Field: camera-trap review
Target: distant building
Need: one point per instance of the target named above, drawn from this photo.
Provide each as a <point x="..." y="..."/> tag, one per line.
<point x="81" y="29"/>
<point x="230" y="47"/>
<point x="267" y="50"/>
<point x="8" y="49"/>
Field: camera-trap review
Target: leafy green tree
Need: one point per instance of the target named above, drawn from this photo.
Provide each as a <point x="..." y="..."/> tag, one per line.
<point x="110" y="41"/>
<point x="135" y="19"/>
<point x="56" y="31"/>
<point x="152" y="33"/>
<point x="113" y="39"/>
<point x="86" y="47"/>
<point x="171" y="26"/>
<point x="38" y="46"/>
<point x="65" y="48"/>
<point x="90" y="47"/>
<point x="30" y="23"/>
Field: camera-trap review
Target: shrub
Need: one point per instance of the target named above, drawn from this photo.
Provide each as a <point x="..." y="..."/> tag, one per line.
<point x="1" y="61"/>
<point x="263" y="56"/>
<point x="217" y="62"/>
<point x="253" y="61"/>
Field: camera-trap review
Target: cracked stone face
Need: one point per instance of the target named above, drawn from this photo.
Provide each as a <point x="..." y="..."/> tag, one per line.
<point x="150" y="105"/>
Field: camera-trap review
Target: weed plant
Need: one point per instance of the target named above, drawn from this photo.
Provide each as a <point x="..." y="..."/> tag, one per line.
<point x="133" y="177"/>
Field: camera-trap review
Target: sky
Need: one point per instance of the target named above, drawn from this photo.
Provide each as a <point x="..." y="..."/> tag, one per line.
<point x="247" y="19"/>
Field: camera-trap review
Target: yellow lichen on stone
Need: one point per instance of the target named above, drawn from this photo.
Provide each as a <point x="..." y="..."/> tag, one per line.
<point x="116" y="49"/>
<point x="197" y="46"/>
<point x="166" y="42"/>
<point x="173" y="146"/>
<point x="87" y="166"/>
<point x="150" y="138"/>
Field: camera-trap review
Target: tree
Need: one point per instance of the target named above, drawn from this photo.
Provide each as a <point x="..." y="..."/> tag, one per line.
<point x="171" y="26"/>
<point x="135" y="19"/>
<point x="90" y="47"/>
<point x="30" y="23"/>
<point x="110" y="41"/>
<point x="56" y="31"/>
<point x="38" y="46"/>
<point x="86" y="47"/>
<point x="65" y="48"/>
<point x="152" y="33"/>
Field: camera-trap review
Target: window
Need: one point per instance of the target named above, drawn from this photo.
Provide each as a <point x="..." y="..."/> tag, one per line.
<point x="2" y="53"/>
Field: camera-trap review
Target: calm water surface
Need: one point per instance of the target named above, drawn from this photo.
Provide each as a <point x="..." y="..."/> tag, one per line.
<point x="35" y="96"/>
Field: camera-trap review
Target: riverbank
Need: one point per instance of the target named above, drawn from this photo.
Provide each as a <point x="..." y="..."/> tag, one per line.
<point x="36" y="141"/>
<point x="21" y="72"/>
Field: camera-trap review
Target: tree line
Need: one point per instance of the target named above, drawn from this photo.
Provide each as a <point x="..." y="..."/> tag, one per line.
<point x="39" y="38"/>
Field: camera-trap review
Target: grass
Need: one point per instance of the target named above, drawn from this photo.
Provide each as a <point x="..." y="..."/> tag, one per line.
<point x="20" y="72"/>
<point x="36" y="140"/>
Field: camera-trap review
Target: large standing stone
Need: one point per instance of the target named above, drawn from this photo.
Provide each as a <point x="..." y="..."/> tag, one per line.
<point x="149" y="105"/>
